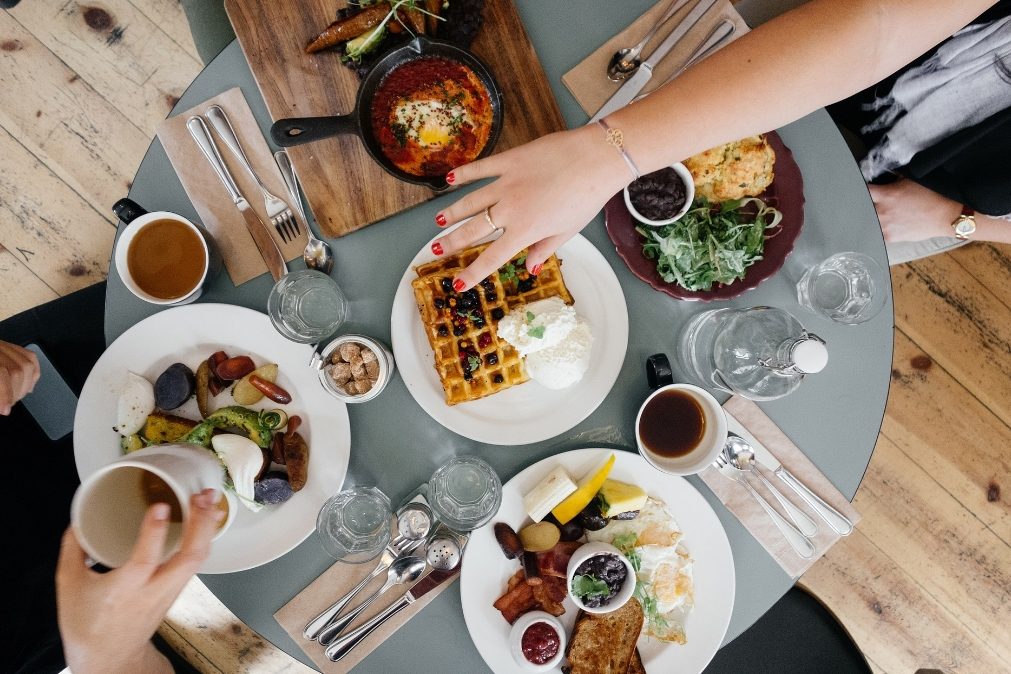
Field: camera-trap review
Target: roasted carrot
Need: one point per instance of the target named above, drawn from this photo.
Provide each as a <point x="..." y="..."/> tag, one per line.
<point x="349" y="28"/>
<point x="432" y="23"/>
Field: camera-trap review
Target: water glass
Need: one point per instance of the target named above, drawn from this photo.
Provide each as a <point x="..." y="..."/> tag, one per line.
<point x="465" y="493"/>
<point x="848" y="288"/>
<point x="354" y="525"/>
<point x="306" y="306"/>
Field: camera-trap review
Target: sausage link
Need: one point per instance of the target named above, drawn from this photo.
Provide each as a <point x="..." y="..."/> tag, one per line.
<point x="271" y="390"/>
<point x="234" y="368"/>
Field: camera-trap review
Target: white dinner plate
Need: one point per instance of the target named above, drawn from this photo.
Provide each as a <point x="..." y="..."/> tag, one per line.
<point x="486" y="569"/>
<point x="188" y="335"/>
<point x="528" y="412"/>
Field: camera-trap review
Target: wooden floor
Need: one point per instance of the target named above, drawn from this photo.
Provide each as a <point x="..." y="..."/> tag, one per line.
<point x="925" y="582"/>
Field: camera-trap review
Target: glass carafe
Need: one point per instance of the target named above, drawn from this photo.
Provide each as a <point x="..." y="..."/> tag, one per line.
<point x="761" y="353"/>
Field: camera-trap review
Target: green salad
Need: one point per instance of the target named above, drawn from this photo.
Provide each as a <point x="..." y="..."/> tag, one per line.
<point x="711" y="243"/>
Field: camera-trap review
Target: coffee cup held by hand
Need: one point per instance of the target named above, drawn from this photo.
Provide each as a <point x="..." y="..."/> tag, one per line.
<point x="109" y="506"/>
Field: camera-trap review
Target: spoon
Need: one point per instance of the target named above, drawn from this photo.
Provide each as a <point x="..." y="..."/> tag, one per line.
<point x="742" y="456"/>
<point x="317" y="254"/>
<point x="800" y="544"/>
<point x="626" y="61"/>
<point x="404" y="570"/>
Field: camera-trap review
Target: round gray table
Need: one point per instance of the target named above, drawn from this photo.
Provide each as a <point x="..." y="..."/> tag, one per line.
<point x="835" y="416"/>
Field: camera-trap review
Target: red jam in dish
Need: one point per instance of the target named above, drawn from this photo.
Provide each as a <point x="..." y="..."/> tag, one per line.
<point x="540" y="643"/>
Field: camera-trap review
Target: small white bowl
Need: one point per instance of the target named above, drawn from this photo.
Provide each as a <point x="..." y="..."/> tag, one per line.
<point x="686" y="178"/>
<point x="387" y="366"/>
<point x="592" y="550"/>
<point x="516" y="640"/>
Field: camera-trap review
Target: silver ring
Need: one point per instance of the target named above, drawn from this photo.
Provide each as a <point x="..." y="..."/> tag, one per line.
<point x="487" y="218"/>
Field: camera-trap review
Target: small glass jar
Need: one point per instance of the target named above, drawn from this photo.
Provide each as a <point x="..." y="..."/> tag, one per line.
<point x="328" y="374"/>
<point x="465" y="493"/>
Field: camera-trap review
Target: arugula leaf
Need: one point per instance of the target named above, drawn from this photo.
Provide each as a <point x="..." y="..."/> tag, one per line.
<point x="537" y="332"/>
<point x="711" y="243"/>
<point x="585" y="587"/>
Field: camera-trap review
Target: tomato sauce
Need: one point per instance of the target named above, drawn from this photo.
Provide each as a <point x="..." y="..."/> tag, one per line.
<point x="431" y="115"/>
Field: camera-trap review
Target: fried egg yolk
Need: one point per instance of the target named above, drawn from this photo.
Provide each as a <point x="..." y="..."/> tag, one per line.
<point x="431" y="124"/>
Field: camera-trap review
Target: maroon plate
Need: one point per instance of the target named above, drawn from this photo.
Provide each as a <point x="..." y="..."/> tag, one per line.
<point x="785" y="193"/>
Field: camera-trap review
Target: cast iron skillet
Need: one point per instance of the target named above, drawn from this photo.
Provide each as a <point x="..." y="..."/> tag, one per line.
<point x="295" y="131"/>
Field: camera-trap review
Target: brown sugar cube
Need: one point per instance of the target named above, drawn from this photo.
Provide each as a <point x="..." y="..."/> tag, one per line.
<point x="350" y="350"/>
<point x="358" y="369"/>
<point x="350" y="388"/>
<point x="372" y="369"/>
<point x="340" y="373"/>
<point x="368" y="355"/>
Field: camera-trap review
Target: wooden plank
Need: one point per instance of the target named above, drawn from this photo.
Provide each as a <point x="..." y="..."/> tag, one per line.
<point x="169" y="15"/>
<point x="954" y="557"/>
<point x="54" y="232"/>
<point x="294" y="84"/>
<point x="959" y="323"/>
<point x="64" y="122"/>
<point x="223" y="640"/>
<point x="893" y="620"/>
<point x="20" y="289"/>
<point x="936" y="421"/>
<point x="178" y="643"/>
<point x="125" y="57"/>
<point x="990" y="264"/>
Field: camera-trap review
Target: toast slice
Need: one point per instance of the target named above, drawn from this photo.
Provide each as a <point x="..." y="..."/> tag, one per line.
<point x="605" y="643"/>
<point x="636" y="666"/>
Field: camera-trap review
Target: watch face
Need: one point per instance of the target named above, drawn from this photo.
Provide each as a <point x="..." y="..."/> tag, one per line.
<point x="965" y="226"/>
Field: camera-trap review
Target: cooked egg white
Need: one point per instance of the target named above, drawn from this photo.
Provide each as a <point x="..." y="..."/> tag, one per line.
<point x="136" y="403"/>
<point x="431" y="123"/>
<point x="665" y="567"/>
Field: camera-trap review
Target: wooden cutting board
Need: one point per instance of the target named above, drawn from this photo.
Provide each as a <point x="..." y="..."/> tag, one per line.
<point x="345" y="187"/>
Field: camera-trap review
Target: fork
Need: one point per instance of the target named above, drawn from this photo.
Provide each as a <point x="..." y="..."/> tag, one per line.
<point x="393" y="550"/>
<point x="278" y="212"/>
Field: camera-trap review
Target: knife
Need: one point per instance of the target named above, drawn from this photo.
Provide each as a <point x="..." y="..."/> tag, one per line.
<point x="635" y="84"/>
<point x="257" y="229"/>
<point x="768" y="460"/>
<point x="344" y="645"/>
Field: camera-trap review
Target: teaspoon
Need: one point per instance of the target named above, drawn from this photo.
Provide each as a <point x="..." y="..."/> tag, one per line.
<point x="317" y="254"/>
<point x="626" y="61"/>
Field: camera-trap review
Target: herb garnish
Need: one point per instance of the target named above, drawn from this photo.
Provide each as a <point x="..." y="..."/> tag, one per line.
<point x="510" y="271"/>
<point x="588" y="586"/>
<point x="473" y="362"/>
<point x="399" y="132"/>
<point x="712" y="243"/>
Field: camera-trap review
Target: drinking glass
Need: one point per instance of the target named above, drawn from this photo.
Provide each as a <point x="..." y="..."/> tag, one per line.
<point x="307" y="305"/>
<point x="354" y="525"/>
<point x="848" y="288"/>
<point x="465" y="493"/>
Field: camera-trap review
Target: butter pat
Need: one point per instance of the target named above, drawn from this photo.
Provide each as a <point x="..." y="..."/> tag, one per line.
<point x="620" y="497"/>
<point x="548" y="493"/>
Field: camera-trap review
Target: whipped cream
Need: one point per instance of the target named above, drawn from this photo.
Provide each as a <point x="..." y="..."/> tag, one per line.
<point x="537" y="326"/>
<point x="565" y="364"/>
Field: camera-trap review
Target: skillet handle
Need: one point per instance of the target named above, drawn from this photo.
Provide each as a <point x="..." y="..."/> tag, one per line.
<point x="299" y="130"/>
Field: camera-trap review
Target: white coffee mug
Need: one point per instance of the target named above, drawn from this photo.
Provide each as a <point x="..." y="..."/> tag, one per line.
<point x="714" y="436"/>
<point x="135" y="227"/>
<point x="109" y="506"/>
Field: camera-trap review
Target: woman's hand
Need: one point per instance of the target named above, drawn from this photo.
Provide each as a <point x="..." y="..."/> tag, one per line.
<point x="909" y="211"/>
<point x="19" y="370"/>
<point x="107" y="620"/>
<point x="545" y="192"/>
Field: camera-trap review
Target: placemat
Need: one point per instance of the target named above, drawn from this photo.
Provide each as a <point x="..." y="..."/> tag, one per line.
<point x="217" y="212"/>
<point x="588" y="81"/>
<point x="748" y="420"/>
<point x="332" y="584"/>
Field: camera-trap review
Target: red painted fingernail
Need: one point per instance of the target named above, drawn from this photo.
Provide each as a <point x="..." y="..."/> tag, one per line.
<point x="440" y="220"/>
<point x="458" y="285"/>
<point x="437" y="248"/>
<point x="537" y="269"/>
<point x="450" y="178"/>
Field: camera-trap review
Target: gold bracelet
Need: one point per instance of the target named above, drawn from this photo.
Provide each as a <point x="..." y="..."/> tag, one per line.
<point x="615" y="138"/>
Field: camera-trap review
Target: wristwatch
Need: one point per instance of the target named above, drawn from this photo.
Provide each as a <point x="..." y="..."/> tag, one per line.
<point x="965" y="224"/>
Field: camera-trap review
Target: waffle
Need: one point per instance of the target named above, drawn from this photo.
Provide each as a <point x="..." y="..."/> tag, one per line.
<point x="471" y="360"/>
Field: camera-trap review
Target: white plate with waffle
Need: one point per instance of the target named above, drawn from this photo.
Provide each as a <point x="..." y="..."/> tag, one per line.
<point x="528" y="412"/>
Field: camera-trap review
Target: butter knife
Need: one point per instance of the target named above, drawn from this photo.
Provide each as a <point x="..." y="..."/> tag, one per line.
<point x="768" y="460"/>
<point x="344" y="645"/>
<point x="257" y="229"/>
<point x="628" y="91"/>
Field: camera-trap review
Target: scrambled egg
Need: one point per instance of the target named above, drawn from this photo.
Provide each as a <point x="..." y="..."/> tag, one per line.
<point x="736" y="170"/>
